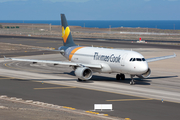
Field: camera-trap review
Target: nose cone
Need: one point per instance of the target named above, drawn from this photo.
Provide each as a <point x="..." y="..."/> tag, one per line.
<point x="143" y="67"/>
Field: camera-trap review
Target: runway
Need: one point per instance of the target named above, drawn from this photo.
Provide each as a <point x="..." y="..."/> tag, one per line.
<point x="60" y="86"/>
<point x="56" y="42"/>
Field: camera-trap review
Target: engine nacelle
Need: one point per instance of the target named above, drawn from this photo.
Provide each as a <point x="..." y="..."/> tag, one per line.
<point x="83" y="73"/>
<point x="146" y="74"/>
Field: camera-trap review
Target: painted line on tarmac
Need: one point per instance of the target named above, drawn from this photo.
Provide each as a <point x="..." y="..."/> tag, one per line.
<point x="9" y="66"/>
<point x="23" y="68"/>
<point x="53" y="88"/>
<point x="129" y="99"/>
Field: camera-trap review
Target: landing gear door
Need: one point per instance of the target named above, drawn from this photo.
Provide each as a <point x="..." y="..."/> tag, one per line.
<point x="123" y="58"/>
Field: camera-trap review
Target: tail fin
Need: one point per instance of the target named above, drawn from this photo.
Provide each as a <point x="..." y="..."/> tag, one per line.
<point x="66" y="33"/>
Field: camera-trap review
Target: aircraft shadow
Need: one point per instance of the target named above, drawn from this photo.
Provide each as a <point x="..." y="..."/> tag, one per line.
<point x="162" y="77"/>
<point x="138" y="81"/>
<point x="126" y="81"/>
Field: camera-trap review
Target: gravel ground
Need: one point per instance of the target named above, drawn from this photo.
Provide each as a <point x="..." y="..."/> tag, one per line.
<point x="19" y="111"/>
<point x="81" y="32"/>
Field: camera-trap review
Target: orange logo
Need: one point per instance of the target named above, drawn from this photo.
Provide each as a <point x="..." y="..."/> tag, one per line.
<point x="65" y="33"/>
<point x="73" y="51"/>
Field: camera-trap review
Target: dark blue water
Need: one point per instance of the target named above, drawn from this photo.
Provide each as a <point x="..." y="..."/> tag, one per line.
<point x="160" y="24"/>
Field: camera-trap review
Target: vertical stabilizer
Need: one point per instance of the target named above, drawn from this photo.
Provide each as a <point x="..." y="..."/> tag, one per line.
<point x="66" y="33"/>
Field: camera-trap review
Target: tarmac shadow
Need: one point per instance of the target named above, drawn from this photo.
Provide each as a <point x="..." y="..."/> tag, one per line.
<point x="126" y="81"/>
<point x="138" y="81"/>
<point x="162" y="77"/>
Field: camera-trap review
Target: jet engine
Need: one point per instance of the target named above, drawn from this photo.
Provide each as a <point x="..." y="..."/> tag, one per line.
<point x="146" y="74"/>
<point x="83" y="73"/>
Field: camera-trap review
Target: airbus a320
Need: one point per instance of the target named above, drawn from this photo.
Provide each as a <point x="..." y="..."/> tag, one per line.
<point x="86" y="60"/>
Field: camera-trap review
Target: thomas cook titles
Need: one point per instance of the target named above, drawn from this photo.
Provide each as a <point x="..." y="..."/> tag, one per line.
<point x="107" y="58"/>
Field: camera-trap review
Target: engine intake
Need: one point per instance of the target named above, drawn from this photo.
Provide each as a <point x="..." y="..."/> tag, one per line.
<point x="83" y="73"/>
<point x="146" y="74"/>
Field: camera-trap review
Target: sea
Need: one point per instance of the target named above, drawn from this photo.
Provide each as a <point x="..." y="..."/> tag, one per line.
<point x="160" y="24"/>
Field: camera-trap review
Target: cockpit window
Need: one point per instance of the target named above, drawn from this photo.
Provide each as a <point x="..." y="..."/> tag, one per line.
<point x="137" y="59"/>
<point x="131" y="59"/>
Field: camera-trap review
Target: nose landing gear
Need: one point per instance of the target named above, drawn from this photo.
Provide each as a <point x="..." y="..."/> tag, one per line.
<point x="122" y="77"/>
<point x="132" y="82"/>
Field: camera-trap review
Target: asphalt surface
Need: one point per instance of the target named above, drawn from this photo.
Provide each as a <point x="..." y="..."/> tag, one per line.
<point x="133" y="107"/>
<point x="137" y="109"/>
<point x="56" y="42"/>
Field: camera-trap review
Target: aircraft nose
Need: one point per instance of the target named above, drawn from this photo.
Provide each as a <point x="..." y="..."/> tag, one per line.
<point x="144" y="67"/>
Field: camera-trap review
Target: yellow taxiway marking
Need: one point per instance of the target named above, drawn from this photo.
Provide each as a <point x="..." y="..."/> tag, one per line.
<point x="7" y="65"/>
<point x="129" y="99"/>
<point x="53" y="88"/>
<point x="92" y="112"/>
<point x="69" y="108"/>
<point x="127" y="119"/>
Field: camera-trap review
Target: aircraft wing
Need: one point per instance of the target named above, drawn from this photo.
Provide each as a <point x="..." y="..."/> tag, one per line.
<point x="160" y="58"/>
<point x="57" y="62"/>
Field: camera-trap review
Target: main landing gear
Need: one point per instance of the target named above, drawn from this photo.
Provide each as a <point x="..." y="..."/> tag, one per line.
<point x="132" y="82"/>
<point x="120" y="76"/>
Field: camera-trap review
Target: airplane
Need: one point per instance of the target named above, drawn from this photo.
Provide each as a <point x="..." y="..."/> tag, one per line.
<point x="87" y="60"/>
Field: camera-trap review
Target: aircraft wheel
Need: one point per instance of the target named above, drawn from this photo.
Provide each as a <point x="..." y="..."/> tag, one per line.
<point x="132" y="82"/>
<point x="122" y="77"/>
<point x="79" y="79"/>
<point x="117" y="77"/>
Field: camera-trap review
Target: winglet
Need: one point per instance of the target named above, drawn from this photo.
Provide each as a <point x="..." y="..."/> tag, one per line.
<point x="6" y="58"/>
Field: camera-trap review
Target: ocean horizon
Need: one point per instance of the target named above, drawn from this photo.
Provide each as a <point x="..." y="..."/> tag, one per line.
<point x="159" y="24"/>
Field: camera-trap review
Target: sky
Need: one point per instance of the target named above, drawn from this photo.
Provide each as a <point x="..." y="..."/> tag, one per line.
<point x="90" y="9"/>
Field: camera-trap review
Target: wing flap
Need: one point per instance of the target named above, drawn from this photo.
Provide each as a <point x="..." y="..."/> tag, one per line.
<point x="160" y="58"/>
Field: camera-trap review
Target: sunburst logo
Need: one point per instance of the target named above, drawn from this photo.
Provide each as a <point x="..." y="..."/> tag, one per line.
<point x="65" y="33"/>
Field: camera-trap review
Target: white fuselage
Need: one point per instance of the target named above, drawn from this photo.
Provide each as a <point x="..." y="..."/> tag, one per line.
<point x="111" y="60"/>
